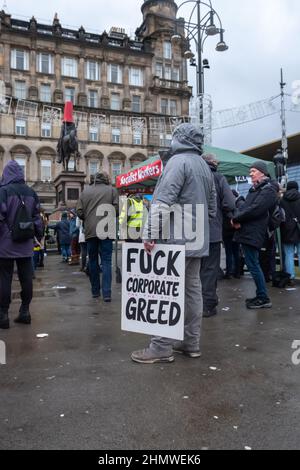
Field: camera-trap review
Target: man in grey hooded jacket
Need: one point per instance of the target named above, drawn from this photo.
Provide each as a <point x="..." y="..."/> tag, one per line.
<point x="186" y="180"/>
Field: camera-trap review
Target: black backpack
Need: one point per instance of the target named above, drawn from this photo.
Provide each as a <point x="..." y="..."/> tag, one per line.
<point x="276" y="218"/>
<point x="23" y="225"/>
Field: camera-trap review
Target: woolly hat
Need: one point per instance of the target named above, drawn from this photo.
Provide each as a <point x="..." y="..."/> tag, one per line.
<point x="292" y="185"/>
<point x="261" y="166"/>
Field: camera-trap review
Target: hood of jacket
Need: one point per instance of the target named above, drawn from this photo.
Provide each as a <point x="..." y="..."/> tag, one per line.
<point x="12" y="173"/>
<point x="101" y="178"/>
<point x="291" y="195"/>
<point x="187" y="138"/>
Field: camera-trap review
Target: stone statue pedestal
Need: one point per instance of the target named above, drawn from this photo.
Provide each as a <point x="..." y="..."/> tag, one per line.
<point x="69" y="185"/>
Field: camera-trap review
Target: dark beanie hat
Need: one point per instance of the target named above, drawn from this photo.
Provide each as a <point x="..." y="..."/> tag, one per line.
<point x="260" y="166"/>
<point x="292" y="185"/>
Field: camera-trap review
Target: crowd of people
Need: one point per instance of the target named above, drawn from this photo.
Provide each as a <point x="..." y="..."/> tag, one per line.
<point x="245" y="226"/>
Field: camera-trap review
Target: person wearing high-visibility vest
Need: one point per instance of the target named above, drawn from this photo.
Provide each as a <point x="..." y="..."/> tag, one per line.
<point x="131" y="218"/>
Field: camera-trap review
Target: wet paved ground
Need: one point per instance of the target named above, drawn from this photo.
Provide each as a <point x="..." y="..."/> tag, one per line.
<point x="78" y="389"/>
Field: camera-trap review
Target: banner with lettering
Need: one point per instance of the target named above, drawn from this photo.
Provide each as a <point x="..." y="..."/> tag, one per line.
<point x="151" y="171"/>
<point x="153" y="290"/>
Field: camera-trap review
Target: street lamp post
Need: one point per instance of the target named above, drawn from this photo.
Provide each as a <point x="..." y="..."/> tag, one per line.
<point x="281" y="157"/>
<point x="199" y="32"/>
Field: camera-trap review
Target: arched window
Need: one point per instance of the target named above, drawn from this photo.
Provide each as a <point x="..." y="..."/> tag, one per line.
<point x="94" y="160"/>
<point x="117" y="160"/>
<point x="21" y="154"/>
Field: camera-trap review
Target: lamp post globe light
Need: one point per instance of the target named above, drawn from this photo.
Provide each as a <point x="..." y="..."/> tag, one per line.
<point x="198" y="30"/>
<point x="200" y="26"/>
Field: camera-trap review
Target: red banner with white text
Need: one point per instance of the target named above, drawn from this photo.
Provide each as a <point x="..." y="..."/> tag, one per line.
<point x="151" y="171"/>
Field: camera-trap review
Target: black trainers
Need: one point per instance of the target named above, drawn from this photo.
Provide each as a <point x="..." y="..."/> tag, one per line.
<point x="250" y="300"/>
<point x="209" y="313"/>
<point x="24" y="316"/>
<point x="259" y="303"/>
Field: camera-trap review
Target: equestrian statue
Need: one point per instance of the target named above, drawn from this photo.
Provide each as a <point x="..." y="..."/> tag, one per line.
<point x="67" y="146"/>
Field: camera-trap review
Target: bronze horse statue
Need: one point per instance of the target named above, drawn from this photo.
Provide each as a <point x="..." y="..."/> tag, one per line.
<point x="67" y="145"/>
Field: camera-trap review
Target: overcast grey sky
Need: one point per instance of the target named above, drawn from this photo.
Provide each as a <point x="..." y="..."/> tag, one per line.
<point x="263" y="36"/>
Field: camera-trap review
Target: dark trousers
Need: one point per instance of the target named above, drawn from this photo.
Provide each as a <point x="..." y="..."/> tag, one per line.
<point x="267" y="258"/>
<point x="24" y="266"/>
<point x="41" y="258"/>
<point x="209" y="276"/>
<point x="232" y="250"/>
<point x="252" y="262"/>
<point x="102" y="248"/>
<point x="75" y="247"/>
<point x="83" y="249"/>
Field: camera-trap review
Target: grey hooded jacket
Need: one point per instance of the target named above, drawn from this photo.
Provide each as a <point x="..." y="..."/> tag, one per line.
<point x="186" y="182"/>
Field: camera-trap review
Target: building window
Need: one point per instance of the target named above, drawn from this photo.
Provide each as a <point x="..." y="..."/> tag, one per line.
<point x="46" y="170"/>
<point x="93" y="134"/>
<point x="137" y="138"/>
<point x="92" y="71"/>
<point x="69" y="67"/>
<point x="20" y="90"/>
<point x="22" y="162"/>
<point x="115" y="73"/>
<point x="46" y="129"/>
<point x="19" y="59"/>
<point x="168" y="107"/>
<point x="93" y="168"/>
<point x="168" y="73"/>
<point x="165" y="140"/>
<point x="136" y="104"/>
<point x="115" y="101"/>
<point x="116" y="169"/>
<point x="93" y="99"/>
<point x="70" y="94"/>
<point x="45" y="93"/>
<point x="136" y="77"/>
<point x="45" y="63"/>
<point x="167" y="50"/>
<point x="159" y="70"/>
<point x="73" y="194"/>
<point x="176" y="74"/>
<point x="116" y="135"/>
<point x="164" y="106"/>
<point x="173" y="107"/>
<point x="20" y="127"/>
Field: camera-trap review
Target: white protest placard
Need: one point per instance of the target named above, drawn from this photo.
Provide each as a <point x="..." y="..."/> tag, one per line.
<point x="153" y="290"/>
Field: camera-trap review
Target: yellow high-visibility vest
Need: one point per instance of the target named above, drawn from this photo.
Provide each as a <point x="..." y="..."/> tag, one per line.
<point x="134" y="215"/>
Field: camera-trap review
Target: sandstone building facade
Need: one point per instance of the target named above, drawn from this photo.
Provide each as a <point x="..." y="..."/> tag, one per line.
<point x="124" y="91"/>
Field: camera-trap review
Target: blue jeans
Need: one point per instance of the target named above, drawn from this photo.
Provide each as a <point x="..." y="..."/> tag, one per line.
<point x="35" y="259"/>
<point x="65" y="250"/>
<point x="289" y="252"/>
<point x="252" y="262"/>
<point x="102" y="248"/>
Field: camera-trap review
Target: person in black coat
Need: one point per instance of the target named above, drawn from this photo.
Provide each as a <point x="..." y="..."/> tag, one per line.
<point x="232" y="249"/>
<point x="210" y="265"/>
<point x="251" y="221"/>
<point x="290" y="233"/>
